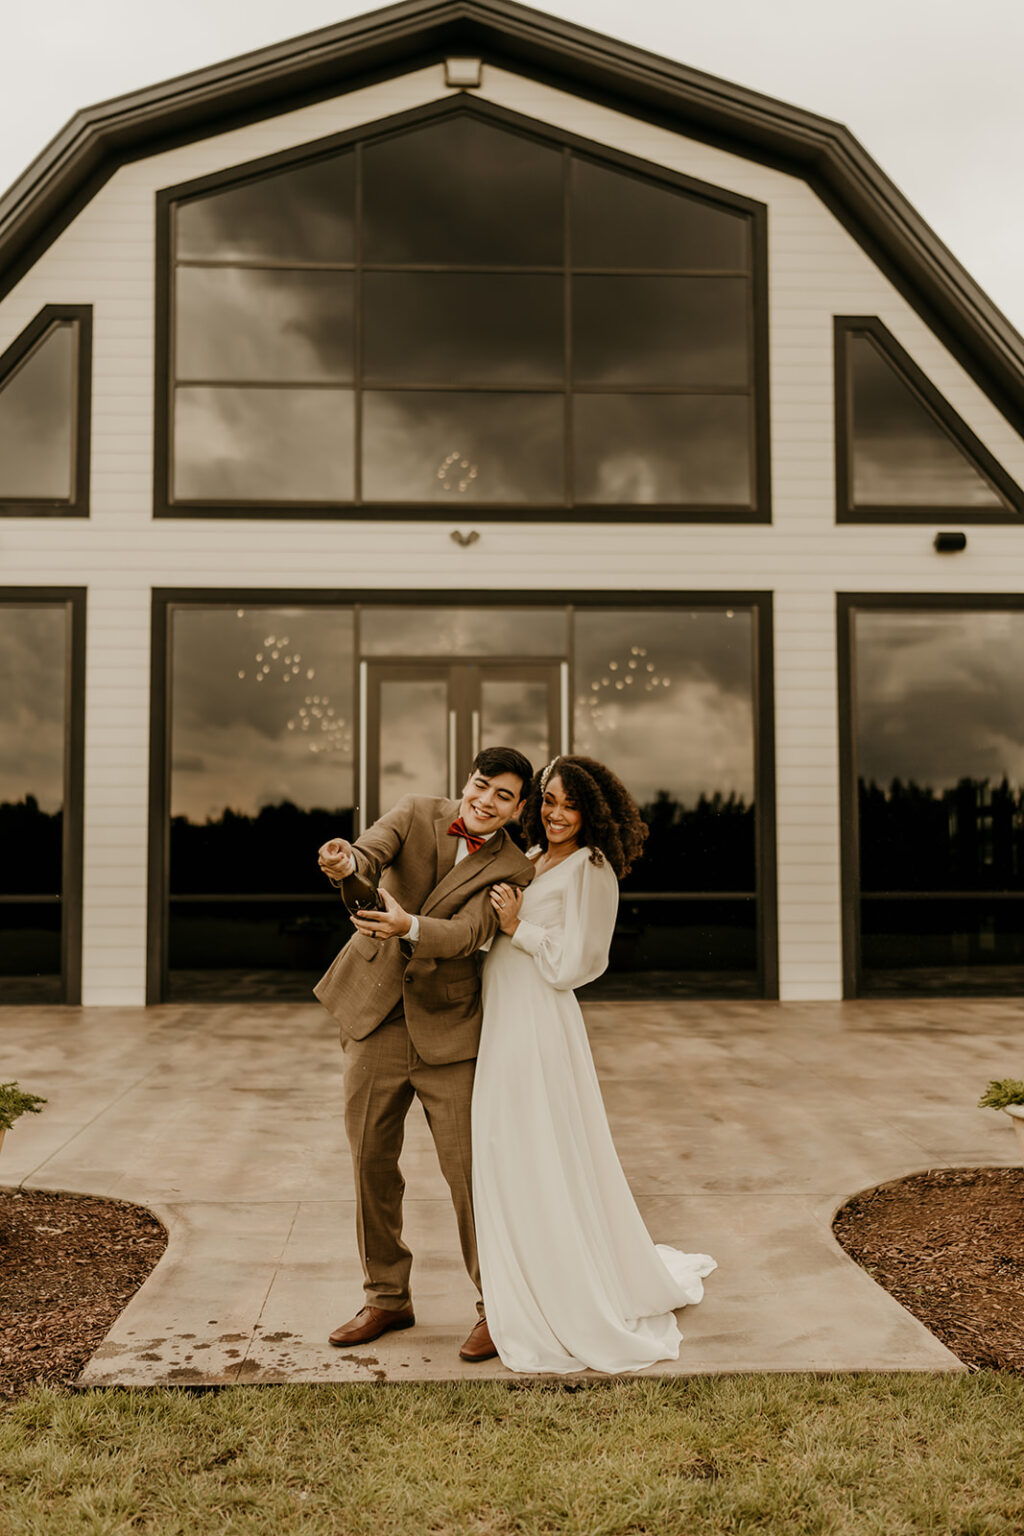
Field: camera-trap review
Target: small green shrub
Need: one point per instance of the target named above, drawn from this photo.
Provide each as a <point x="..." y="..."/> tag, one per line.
<point x="14" y="1103"/>
<point x="1005" y="1090"/>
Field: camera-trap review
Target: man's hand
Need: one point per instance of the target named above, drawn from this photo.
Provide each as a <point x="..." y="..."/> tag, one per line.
<point x="336" y="859"/>
<point x="392" y="924"/>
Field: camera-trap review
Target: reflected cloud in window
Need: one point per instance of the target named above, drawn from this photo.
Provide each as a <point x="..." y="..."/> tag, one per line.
<point x="663" y="449"/>
<point x="464" y="192"/>
<point x="660" y="330"/>
<point x="36" y="421"/>
<point x="466" y="327"/>
<point x="902" y="455"/>
<point x="463" y="631"/>
<point x="940" y="697"/>
<point x="243" y="323"/>
<point x="263" y="444"/>
<point x="263" y="709"/>
<point x="623" y="220"/>
<point x="305" y="213"/>
<point x="493" y="447"/>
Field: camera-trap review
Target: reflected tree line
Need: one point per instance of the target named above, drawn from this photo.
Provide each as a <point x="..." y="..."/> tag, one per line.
<point x="707" y="846"/>
<point x="916" y="838"/>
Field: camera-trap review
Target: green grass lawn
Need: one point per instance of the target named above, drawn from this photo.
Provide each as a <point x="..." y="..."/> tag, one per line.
<point x="774" y="1454"/>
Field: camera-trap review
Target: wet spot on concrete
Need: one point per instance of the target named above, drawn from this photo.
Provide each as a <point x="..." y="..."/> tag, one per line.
<point x="232" y="1354"/>
<point x="232" y="1338"/>
<point x="275" y="1338"/>
<point x="149" y="1355"/>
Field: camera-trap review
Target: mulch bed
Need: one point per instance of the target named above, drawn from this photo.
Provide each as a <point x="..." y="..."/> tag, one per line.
<point x="949" y="1245"/>
<point x="68" y="1265"/>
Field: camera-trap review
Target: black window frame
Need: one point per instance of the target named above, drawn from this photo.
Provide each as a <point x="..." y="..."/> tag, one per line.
<point x="984" y="461"/>
<point x="586" y="512"/>
<point x="166" y="599"/>
<point x="848" y="604"/>
<point x="73" y="599"/>
<point x="80" y="317"/>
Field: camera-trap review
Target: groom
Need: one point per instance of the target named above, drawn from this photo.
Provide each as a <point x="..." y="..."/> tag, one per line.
<point x="406" y="992"/>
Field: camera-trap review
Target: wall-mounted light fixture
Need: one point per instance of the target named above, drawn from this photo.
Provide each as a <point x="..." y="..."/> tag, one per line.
<point x="464" y="540"/>
<point x="463" y="74"/>
<point x="950" y="543"/>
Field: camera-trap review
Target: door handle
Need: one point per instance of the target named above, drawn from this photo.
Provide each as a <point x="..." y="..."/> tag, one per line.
<point x="476" y="732"/>
<point x="452" y="768"/>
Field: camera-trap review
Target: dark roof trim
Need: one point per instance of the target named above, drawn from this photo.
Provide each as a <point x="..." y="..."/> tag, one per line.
<point x="417" y="32"/>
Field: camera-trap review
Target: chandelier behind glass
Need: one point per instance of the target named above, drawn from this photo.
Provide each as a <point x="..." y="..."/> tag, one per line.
<point x="624" y="677"/>
<point x="315" y="718"/>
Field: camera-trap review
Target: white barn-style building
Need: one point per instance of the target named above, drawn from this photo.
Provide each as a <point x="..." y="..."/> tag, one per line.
<point x="457" y="375"/>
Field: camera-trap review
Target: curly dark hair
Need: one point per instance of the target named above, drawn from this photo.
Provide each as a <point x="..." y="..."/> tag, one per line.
<point x="612" y="824"/>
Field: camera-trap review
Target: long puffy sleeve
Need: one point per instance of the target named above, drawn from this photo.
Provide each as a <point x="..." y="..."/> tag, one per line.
<point x="576" y="950"/>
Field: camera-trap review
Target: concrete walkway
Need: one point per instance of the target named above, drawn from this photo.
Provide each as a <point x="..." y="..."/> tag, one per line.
<point x="741" y="1126"/>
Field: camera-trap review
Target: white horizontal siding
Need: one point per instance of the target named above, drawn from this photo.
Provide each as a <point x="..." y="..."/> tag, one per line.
<point x="107" y="258"/>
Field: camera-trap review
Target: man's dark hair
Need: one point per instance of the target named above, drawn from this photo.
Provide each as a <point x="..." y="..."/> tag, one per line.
<point x="494" y="760"/>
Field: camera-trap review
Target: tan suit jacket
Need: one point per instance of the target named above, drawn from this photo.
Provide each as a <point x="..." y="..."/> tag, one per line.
<point x="438" y="979"/>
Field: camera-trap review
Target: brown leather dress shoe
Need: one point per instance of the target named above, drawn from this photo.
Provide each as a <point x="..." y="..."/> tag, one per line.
<point x="369" y="1324"/>
<point x="479" y="1345"/>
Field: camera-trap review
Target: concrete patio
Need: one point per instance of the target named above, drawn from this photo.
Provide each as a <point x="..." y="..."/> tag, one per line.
<point x="742" y="1127"/>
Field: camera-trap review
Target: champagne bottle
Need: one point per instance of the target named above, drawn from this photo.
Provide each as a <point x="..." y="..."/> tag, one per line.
<point x="360" y="894"/>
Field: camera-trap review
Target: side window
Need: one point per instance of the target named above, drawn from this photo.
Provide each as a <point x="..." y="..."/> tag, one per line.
<point x="902" y="452"/>
<point x="45" y="377"/>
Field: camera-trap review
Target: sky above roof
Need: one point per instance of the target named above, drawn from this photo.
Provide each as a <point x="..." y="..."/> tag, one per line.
<point x="930" y="87"/>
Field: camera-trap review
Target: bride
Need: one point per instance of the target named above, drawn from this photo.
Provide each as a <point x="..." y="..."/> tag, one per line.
<point x="571" y="1278"/>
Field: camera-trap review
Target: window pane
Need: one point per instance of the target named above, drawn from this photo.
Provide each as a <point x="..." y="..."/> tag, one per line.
<point x="620" y="220"/>
<point x="903" y="456"/>
<point x="940" y="749"/>
<point x="33" y="680"/>
<point x="32" y="725"/>
<point x="666" y="699"/>
<point x="466" y="327"/>
<point x="413" y="738"/>
<point x="263" y="444"/>
<point x="955" y="946"/>
<point x="463" y="631"/>
<point x="663" y="449"/>
<point x="460" y="191"/>
<point x="660" y="330"/>
<point x="462" y="448"/>
<point x="241" y="323"/>
<point x="36" y="421"/>
<point x="302" y="214"/>
<point x="675" y="949"/>
<point x="261" y="746"/>
<point x="514" y="711"/>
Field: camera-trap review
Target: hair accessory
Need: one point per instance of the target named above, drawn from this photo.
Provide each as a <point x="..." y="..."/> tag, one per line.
<point x="548" y="772"/>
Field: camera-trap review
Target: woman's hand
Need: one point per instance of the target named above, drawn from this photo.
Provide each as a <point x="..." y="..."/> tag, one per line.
<point x="506" y="901"/>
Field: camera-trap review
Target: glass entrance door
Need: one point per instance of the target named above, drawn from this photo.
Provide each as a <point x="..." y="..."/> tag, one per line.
<point x="424" y="722"/>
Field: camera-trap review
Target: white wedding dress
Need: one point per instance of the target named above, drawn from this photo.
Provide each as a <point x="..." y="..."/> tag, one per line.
<point x="571" y="1278"/>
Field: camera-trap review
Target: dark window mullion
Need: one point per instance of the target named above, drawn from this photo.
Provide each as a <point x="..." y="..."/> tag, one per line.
<point x="568" y="467"/>
<point x="293" y="264"/>
<point x="357" y="337"/>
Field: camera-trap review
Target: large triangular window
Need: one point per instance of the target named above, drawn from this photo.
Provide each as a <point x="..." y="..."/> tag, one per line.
<point x="44" y="415"/>
<point x="902" y="452"/>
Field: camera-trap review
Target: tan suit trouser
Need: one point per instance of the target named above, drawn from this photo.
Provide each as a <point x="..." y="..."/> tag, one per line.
<point x="383" y="1073"/>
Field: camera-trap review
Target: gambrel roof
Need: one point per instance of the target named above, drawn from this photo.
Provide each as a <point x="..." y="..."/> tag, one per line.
<point x="416" y="33"/>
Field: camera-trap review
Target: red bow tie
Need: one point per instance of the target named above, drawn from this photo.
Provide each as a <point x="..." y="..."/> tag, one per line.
<point x="458" y="829"/>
